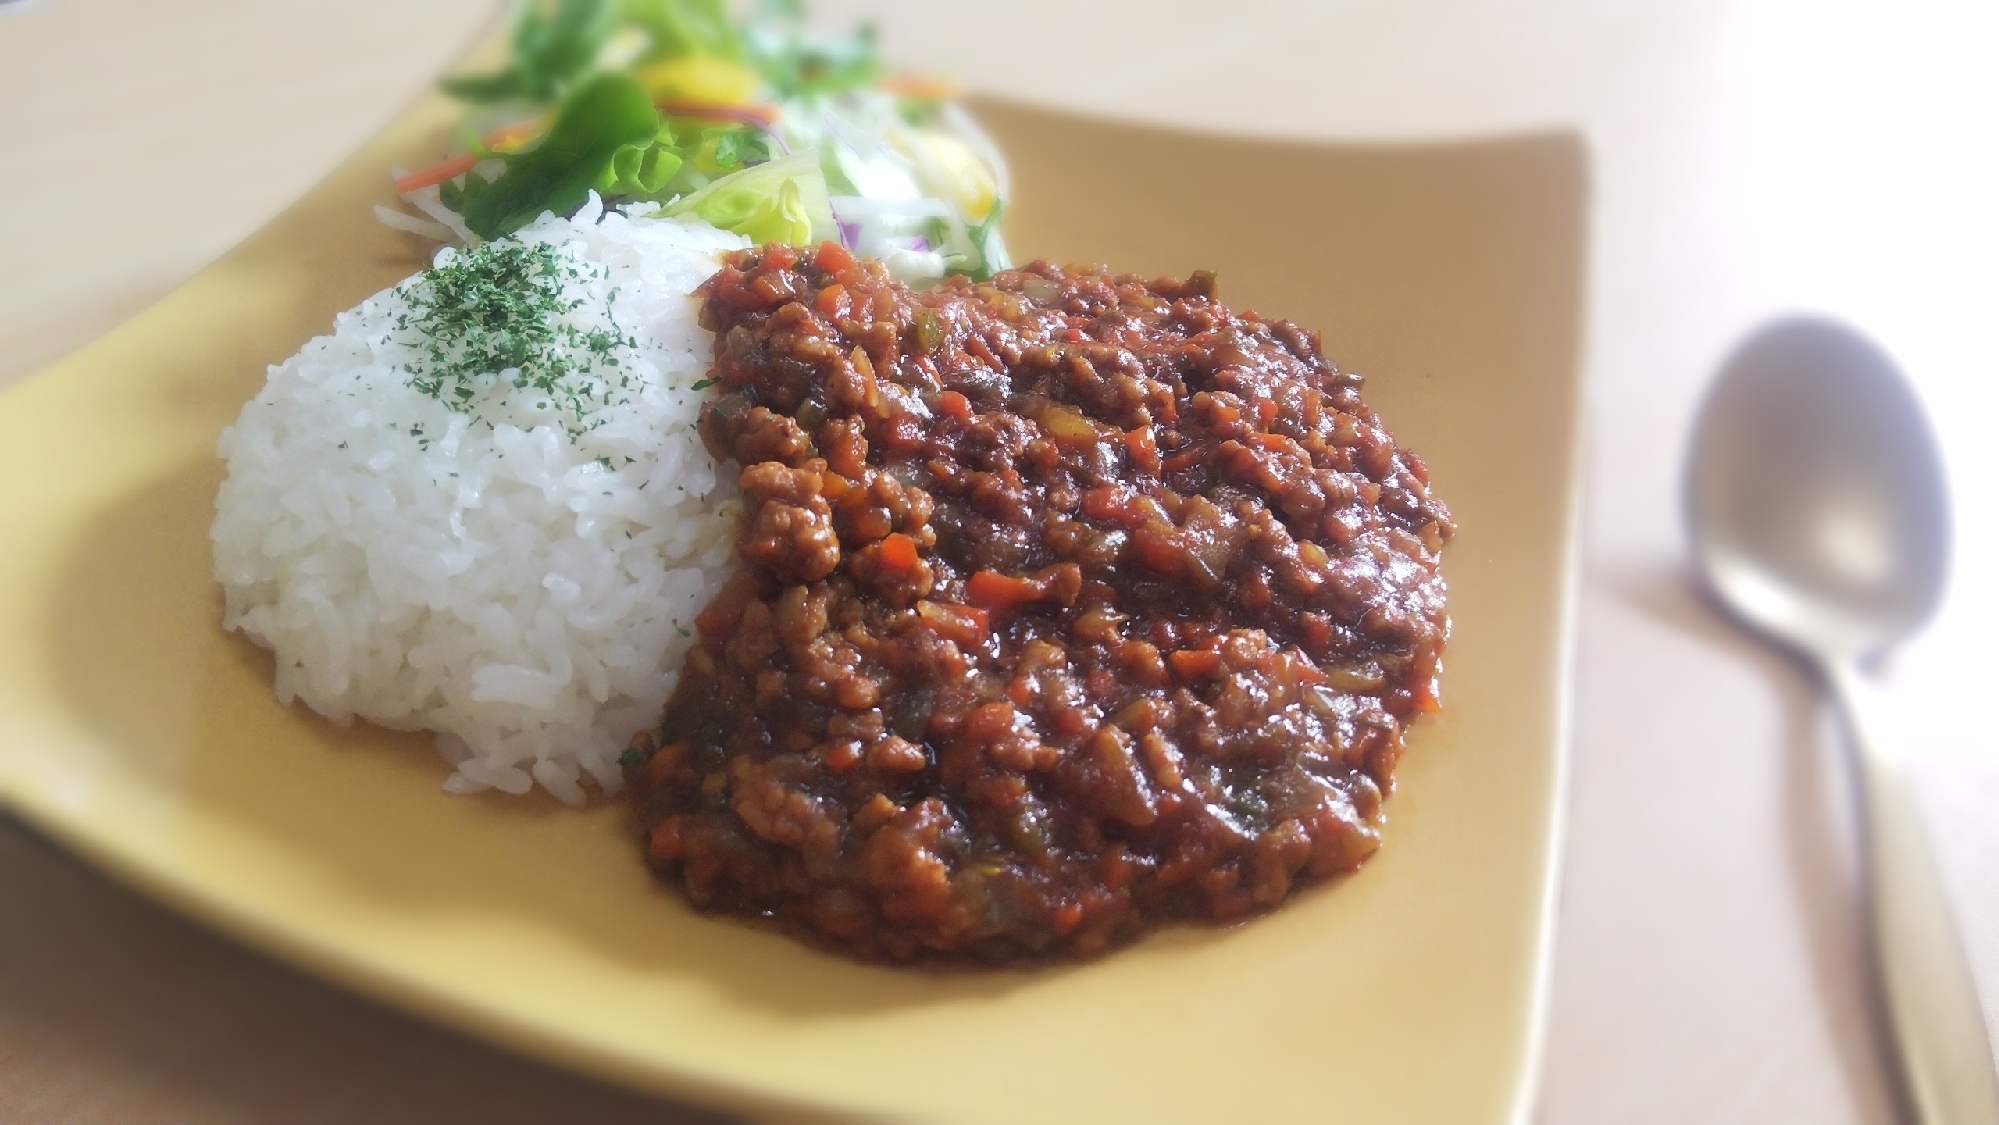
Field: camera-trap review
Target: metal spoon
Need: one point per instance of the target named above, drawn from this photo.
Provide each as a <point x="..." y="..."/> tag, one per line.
<point x="1816" y="506"/>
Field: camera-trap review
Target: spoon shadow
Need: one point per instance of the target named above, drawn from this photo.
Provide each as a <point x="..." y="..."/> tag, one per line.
<point x="1821" y="845"/>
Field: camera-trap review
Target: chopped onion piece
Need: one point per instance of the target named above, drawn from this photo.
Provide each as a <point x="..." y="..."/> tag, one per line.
<point x="436" y="232"/>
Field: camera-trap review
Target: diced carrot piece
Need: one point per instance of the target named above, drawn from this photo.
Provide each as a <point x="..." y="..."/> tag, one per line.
<point x="997" y="591"/>
<point x="843" y="755"/>
<point x="1102" y="504"/>
<point x="869" y="817"/>
<point x="660" y="767"/>
<point x="774" y="287"/>
<point x="1224" y="414"/>
<point x="1067" y="915"/>
<point x="1425" y="696"/>
<point x="967" y="625"/>
<point x="1144" y="449"/>
<point x="665" y="844"/>
<point x="845" y="450"/>
<point x="988" y="722"/>
<point x="727" y="606"/>
<point x="894" y="754"/>
<point x="977" y="621"/>
<point x="1317" y="630"/>
<point x="831" y="300"/>
<point x="1117" y="867"/>
<point x="1194" y="663"/>
<point x="902" y="432"/>
<point x="898" y="552"/>
<point x="833" y="257"/>
<point x="954" y="404"/>
<point x="1156" y="549"/>
<point x="730" y="286"/>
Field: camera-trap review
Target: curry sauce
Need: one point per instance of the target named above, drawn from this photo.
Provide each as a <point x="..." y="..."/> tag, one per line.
<point x="1070" y="603"/>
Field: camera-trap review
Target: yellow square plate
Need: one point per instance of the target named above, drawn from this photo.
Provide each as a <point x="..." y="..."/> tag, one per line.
<point x="135" y="731"/>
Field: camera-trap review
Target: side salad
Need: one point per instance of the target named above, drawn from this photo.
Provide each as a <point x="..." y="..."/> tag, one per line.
<point x="760" y="127"/>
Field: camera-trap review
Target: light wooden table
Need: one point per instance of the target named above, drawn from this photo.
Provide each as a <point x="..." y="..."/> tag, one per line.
<point x="1749" y="157"/>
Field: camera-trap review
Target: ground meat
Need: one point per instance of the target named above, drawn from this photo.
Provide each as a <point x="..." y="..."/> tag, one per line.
<point x="1071" y="603"/>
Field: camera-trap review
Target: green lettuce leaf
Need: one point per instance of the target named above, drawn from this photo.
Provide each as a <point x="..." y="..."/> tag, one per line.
<point x="684" y="27"/>
<point x="986" y="240"/>
<point x="734" y="147"/>
<point x="601" y="116"/>
<point x="781" y="201"/>
<point x="550" y="51"/>
<point x="641" y="169"/>
<point x="799" y="63"/>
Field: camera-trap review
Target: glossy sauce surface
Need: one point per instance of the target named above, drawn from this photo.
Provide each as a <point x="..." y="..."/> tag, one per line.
<point x="1071" y="603"/>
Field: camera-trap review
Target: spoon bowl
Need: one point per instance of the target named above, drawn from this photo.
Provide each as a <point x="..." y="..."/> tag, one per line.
<point x="1815" y="497"/>
<point x="1816" y="509"/>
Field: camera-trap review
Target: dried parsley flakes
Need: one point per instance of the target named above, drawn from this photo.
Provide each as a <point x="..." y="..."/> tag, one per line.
<point x="500" y="318"/>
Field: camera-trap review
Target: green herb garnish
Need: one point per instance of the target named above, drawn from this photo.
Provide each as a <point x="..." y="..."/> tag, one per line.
<point x="737" y="147"/>
<point x="496" y="318"/>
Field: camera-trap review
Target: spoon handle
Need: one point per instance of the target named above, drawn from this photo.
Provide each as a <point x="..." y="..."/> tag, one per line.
<point x="1932" y="1001"/>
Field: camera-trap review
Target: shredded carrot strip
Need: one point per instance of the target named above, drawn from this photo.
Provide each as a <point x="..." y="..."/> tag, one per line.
<point x="992" y="590"/>
<point x="465" y="162"/>
<point x="436" y="173"/>
<point x="518" y="131"/>
<point x="917" y="86"/>
<point x="688" y="107"/>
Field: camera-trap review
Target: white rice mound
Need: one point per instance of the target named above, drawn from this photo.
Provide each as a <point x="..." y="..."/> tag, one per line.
<point x="493" y="581"/>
